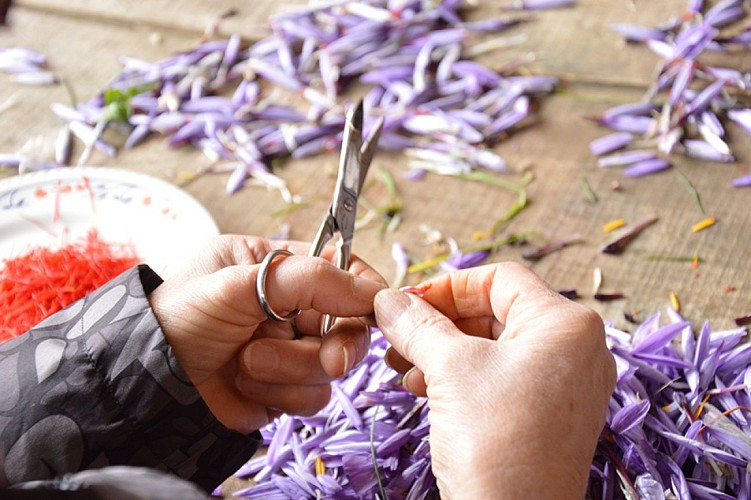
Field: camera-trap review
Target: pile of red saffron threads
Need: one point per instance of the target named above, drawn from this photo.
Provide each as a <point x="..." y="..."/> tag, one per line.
<point x="43" y="281"/>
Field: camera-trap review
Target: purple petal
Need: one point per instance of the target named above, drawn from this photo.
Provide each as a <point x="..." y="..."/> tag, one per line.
<point x="682" y="81"/>
<point x="491" y="25"/>
<point x="743" y="181"/>
<point x="625" y="158"/>
<point x="347" y="407"/>
<point x="36" y="77"/>
<point x="631" y="109"/>
<point x="648" y="488"/>
<point x="639" y="125"/>
<point x="710" y="120"/>
<point x="394" y="442"/>
<point x="10" y="160"/>
<point x="553" y="246"/>
<point x="704" y="98"/>
<point x="359" y="469"/>
<point x="540" y="4"/>
<point x="742" y="117"/>
<point x="63" y="146"/>
<point x="705" y="151"/>
<point x="399" y="256"/>
<point x="416" y="174"/>
<point x="660" y="338"/>
<point x="635" y="33"/>
<point x="737" y="442"/>
<point x="629" y="417"/>
<point x="237" y="178"/>
<point x="464" y="261"/>
<point x="735" y="360"/>
<point x="647" y="167"/>
<point x="610" y="143"/>
<point x="702" y="492"/>
<point x="284" y="428"/>
<point x="725" y="12"/>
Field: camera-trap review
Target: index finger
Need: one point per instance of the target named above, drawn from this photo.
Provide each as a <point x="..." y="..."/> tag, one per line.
<point x="357" y="266"/>
<point x="301" y="282"/>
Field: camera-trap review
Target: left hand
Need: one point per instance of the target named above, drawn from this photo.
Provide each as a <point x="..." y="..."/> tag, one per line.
<point x="247" y="368"/>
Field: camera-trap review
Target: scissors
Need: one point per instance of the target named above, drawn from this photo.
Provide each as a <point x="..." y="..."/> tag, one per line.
<point x="354" y="161"/>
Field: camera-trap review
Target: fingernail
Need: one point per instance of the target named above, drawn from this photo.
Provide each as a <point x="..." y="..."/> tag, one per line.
<point x="389" y="304"/>
<point x="349" y="352"/>
<point x="261" y="358"/>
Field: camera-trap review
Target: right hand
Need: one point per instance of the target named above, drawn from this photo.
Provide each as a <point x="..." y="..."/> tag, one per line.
<point x="518" y="380"/>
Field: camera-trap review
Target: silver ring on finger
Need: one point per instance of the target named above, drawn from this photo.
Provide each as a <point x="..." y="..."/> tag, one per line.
<point x="261" y="287"/>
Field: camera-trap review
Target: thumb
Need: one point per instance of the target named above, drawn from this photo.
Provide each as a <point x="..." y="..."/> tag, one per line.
<point x="419" y="332"/>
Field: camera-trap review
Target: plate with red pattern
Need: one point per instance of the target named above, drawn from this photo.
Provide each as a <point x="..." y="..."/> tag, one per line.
<point x="162" y="223"/>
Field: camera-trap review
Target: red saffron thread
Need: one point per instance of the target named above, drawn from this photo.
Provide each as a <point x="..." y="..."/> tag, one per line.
<point x="418" y="290"/>
<point x="43" y="281"/>
<point x="56" y="212"/>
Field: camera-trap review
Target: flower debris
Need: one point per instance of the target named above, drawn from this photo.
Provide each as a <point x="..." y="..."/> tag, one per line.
<point x="678" y="426"/>
<point x="27" y="66"/>
<point x="225" y="97"/>
<point x="687" y="107"/>
<point x="678" y="423"/>
<point x="626" y="235"/>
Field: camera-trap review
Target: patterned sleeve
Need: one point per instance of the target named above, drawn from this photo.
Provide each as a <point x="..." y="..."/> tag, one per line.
<point x="97" y="384"/>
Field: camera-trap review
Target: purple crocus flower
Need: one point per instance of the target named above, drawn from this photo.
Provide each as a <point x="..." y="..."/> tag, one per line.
<point x="413" y="53"/>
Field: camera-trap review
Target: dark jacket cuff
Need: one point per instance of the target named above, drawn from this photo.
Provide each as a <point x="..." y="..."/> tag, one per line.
<point x="116" y="395"/>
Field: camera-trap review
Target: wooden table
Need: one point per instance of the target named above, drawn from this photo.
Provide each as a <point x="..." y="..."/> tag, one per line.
<point x="83" y="40"/>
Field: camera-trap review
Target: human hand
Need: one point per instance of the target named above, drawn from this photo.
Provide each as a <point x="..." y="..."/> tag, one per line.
<point x="518" y="380"/>
<point x="247" y="368"/>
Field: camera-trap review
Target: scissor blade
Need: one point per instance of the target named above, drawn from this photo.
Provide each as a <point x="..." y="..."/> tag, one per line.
<point x="349" y="176"/>
<point x="368" y="149"/>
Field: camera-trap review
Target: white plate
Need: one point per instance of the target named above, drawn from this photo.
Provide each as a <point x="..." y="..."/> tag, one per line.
<point x="60" y="206"/>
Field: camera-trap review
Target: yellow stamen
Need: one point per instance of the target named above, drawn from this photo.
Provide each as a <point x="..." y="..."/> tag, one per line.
<point x="700" y="409"/>
<point x="480" y="235"/>
<point x="675" y="302"/>
<point x="709" y="221"/>
<point x="320" y="467"/>
<point x="186" y="175"/>
<point x="613" y="225"/>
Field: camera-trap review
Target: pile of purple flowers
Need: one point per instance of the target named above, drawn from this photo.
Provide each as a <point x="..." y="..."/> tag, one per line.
<point x="413" y="57"/>
<point x="678" y="426"/>
<point x="687" y="107"/>
<point x="679" y="422"/>
<point x="371" y="423"/>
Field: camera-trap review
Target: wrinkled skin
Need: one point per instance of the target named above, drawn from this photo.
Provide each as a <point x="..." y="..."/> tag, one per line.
<point x="517" y="377"/>
<point x="247" y="368"/>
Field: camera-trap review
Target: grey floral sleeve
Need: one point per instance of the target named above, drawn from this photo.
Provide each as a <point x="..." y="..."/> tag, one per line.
<point x="97" y="384"/>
